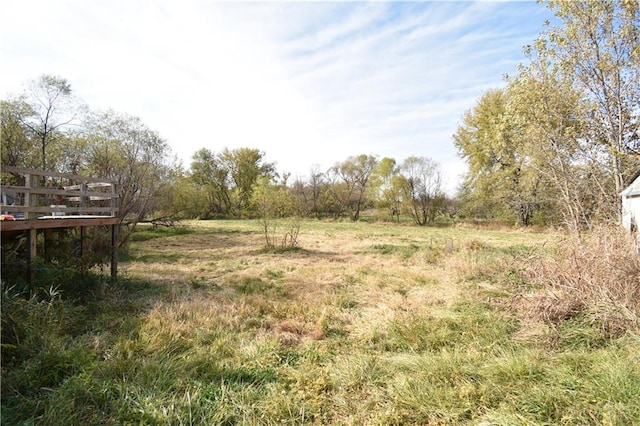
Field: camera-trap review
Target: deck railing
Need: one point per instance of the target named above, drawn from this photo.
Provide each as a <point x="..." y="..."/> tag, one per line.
<point x="38" y="194"/>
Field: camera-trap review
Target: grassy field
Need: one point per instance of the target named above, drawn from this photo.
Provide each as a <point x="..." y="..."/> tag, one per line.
<point x="364" y="323"/>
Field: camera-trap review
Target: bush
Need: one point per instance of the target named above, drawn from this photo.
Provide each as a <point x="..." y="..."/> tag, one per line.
<point x="594" y="275"/>
<point x="277" y="206"/>
<point x="63" y="254"/>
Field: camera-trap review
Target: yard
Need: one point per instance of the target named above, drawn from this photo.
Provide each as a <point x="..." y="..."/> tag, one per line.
<point x="364" y="323"/>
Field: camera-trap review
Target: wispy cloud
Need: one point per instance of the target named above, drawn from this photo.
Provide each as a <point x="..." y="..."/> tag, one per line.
<point x="308" y="83"/>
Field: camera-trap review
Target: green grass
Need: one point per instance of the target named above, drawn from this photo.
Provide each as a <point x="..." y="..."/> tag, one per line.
<point x="145" y="232"/>
<point x="362" y="326"/>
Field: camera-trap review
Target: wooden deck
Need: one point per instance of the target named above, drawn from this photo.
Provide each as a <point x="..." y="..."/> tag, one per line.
<point x="57" y="222"/>
<point x="41" y="201"/>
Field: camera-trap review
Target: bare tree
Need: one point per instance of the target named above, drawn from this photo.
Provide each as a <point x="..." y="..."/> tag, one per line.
<point x="126" y="151"/>
<point x="422" y="187"/>
<point x="53" y="106"/>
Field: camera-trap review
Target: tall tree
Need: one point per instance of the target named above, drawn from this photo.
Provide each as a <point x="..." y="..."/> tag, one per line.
<point x="126" y="151"/>
<point x="599" y="43"/>
<point x="245" y="167"/>
<point x="312" y="190"/>
<point x="16" y="139"/>
<point x="352" y="183"/>
<point x="54" y="107"/>
<point x="382" y="185"/>
<point x="551" y="120"/>
<point x="210" y="177"/>
<point x="500" y="174"/>
<point x="179" y="197"/>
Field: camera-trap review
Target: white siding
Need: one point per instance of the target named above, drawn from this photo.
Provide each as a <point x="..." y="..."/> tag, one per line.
<point x="631" y="205"/>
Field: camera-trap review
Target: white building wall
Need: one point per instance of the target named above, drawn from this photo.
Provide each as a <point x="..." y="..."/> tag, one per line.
<point x="631" y="205"/>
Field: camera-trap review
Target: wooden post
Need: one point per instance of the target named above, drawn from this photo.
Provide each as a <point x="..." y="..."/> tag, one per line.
<point x="32" y="235"/>
<point x="114" y="252"/>
<point x="30" y="199"/>
<point x="48" y="236"/>
<point x="112" y="200"/>
<point x="83" y="198"/>
<point x="83" y="248"/>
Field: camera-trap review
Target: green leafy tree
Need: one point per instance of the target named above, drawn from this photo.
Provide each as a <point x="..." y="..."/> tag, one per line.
<point x="562" y="136"/>
<point x="17" y="147"/>
<point x="179" y="198"/>
<point x="210" y="177"/>
<point x="245" y="167"/>
<point x="421" y="188"/>
<point x="72" y="151"/>
<point x="384" y="188"/>
<point x="550" y="116"/>
<point x="500" y="176"/>
<point x="351" y="182"/>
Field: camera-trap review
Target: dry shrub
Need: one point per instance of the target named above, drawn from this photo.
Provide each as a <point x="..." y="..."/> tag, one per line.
<point x="474" y="245"/>
<point x="596" y="274"/>
<point x="552" y="306"/>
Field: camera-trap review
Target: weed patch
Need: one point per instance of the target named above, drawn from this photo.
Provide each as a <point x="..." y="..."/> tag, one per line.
<point x="595" y="276"/>
<point x="404" y="252"/>
<point x="146" y="233"/>
<point x="255" y="285"/>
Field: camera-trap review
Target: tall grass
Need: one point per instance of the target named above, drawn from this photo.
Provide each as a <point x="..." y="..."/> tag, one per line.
<point x="366" y="324"/>
<point x="594" y="276"/>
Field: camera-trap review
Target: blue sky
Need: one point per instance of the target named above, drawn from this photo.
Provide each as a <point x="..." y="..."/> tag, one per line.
<point x="309" y="83"/>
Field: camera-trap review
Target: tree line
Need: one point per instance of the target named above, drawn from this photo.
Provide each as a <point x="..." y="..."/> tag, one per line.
<point x="556" y="145"/>
<point x="235" y="183"/>
<point x="48" y="127"/>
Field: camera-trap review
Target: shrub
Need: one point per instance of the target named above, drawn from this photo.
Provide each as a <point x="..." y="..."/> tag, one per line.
<point x="595" y="275"/>
<point x="63" y="252"/>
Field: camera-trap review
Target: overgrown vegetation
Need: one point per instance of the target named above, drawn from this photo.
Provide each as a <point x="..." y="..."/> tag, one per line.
<point x="66" y="253"/>
<point x="368" y="324"/>
<point x="593" y="277"/>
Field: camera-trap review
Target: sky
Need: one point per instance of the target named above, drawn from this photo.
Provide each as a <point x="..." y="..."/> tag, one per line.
<point x="307" y="83"/>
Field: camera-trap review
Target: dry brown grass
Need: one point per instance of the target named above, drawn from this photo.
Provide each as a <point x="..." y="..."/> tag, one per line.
<point x="596" y="274"/>
<point x="365" y="324"/>
<point x="334" y="283"/>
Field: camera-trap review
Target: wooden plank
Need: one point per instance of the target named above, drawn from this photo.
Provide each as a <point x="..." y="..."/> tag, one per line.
<point x="31" y="199"/>
<point x="114" y="252"/>
<point x="21" y="171"/>
<point x="60" y="222"/>
<point x="88" y="185"/>
<point x="32" y="235"/>
<point x="83" y="189"/>
<point x="54" y="191"/>
<point x="104" y="197"/>
<point x="68" y="209"/>
<point x="83" y="246"/>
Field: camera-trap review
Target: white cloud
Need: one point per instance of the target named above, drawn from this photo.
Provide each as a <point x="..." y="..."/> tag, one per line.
<point x="308" y="83"/>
